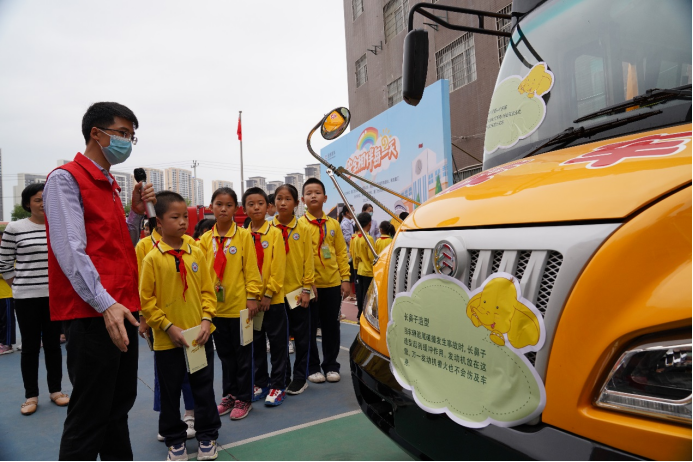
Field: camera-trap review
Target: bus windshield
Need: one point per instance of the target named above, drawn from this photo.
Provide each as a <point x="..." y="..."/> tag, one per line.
<point x="595" y="54"/>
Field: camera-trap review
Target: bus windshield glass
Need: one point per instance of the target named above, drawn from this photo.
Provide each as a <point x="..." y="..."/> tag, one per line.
<point x="581" y="56"/>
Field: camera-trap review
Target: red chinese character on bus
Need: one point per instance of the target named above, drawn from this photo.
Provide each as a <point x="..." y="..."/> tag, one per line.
<point x="660" y="145"/>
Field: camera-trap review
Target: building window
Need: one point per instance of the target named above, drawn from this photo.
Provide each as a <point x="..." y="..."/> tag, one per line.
<point x="357" y="8"/>
<point x="394" y="92"/>
<point x="469" y="171"/>
<point x="361" y="71"/>
<point x="395" y="17"/>
<point x="503" y="25"/>
<point x="457" y="62"/>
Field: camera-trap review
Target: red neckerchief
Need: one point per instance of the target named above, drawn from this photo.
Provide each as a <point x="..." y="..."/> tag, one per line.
<point x="385" y="237"/>
<point x="285" y="235"/>
<point x="181" y="267"/>
<point x="318" y="222"/>
<point x="219" y="258"/>
<point x="259" y="251"/>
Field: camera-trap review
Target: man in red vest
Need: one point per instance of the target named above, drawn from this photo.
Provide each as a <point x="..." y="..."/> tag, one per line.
<point x="92" y="281"/>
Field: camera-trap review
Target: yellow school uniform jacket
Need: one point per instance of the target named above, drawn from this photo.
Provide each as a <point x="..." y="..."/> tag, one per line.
<point x="241" y="279"/>
<point x="5" y="290"/>
<point x="329" y="272"/>
<point x="300" y="268"/>
<point x="161" y="292"/>
<point x="146" y="244"/>
<point x="273" y="262"/>
<point x="362" y="257"/>
<point x="381" y="243"/>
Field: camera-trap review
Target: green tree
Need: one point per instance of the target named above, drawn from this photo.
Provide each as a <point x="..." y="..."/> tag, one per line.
<point x="127" y="208"/>
<point x="418" y="199"/>
<point x="18" y="213"/>
<point x="439" y="187"/>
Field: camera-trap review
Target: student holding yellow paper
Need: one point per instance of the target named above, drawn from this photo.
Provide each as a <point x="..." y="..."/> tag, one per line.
<point x="300" y="274"/>
<point x="237" y="282"/>
<point x="176" y="294"/>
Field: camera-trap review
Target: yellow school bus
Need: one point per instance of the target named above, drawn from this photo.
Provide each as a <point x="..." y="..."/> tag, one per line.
<point x="578" y="234"/>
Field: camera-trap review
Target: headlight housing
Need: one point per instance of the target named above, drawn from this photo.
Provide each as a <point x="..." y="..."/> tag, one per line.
<point x="652" y="380"/>
<point x="371" y="306"/>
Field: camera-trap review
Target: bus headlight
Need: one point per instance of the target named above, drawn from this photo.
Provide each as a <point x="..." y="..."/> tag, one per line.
<point x="652" y="380"/>
<point x="371" y="306"/>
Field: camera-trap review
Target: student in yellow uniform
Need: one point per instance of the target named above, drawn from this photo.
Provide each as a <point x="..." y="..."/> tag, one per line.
<point x="271" y="258"/>
<point x="300" y="274"/>
<point x="362" y="257"/>
<point x="237" y="282"/>
<point x="331" y="279"/>
<point x="176" y="293"/>
<point x="387" y="232"/>
<point x="7" y="320"/>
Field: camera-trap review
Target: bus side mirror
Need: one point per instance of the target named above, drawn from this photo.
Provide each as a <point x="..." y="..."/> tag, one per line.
<point x="334" y="123"/>
<point x="414" y="66"/>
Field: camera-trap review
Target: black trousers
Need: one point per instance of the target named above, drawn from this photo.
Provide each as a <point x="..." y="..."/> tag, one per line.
<point x="7" y="322"/>
<point x="326" y="310"/>
<point x="170" y="366"/>
<point x="362" y="285"/>
<point x="276" y="327"/>
<point x="35" y="325"/>
<point x="299" y="328"/>
<point x="236" y="360"/>
<point x="104" y="388"/>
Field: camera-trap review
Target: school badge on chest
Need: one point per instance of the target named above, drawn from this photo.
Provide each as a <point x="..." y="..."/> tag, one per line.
<point x="194" y="267"/>
<point x="332" y="232"/>
<point x="233" y="250"/>
<point x="265" y="244"/>
<point x="296" y="237"/>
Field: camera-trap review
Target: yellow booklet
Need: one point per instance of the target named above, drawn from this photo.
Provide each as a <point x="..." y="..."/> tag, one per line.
<point x="257" y="320"/>
<point x="246" y="328"/>
<point x="294" y="298"/>
<point x="195" y="355"/>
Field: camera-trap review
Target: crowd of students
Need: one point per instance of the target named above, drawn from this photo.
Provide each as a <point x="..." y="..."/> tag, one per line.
<point x="208" y="281"/>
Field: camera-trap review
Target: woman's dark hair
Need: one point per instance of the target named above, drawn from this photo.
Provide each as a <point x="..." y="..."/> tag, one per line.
<point x="29" y="192"/>
<point x="403" y="215"/>
<point x="203" y="226"/>
<point x="366" y="206"/>
<point x="341" y="216"/>
<point x="387" y="228"/>
<point x="251" y="191"/>
<point x="289" y="187"/>
<point x="103" y="115"/>
<point x="225" y="190"/>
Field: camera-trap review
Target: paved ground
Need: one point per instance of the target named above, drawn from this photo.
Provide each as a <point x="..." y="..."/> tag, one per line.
<point x="323" y="423"/>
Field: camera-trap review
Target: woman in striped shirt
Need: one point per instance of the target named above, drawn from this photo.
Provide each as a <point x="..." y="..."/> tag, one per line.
<point x="24" y="265"/>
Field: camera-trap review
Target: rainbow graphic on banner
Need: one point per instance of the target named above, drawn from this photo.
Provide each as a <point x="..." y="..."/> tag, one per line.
<point x="367" y="138"/>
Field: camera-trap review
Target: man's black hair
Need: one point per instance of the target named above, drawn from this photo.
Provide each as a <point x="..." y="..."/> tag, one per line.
<point x="403" y="215"/>
<point x="251" y="191"/>
<point x="366" y="206"/>
<point x="225" y="190"/>
<point x="164" y="199"/>
<point x="29" y="192"/>
<point x="312" y="181"/>
<point x="270" y="199"/>
<point x="364" y="219"/>
<point x="103" y="115"/>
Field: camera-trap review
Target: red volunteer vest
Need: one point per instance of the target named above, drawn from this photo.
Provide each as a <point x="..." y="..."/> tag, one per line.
<point x="108" y="246"/>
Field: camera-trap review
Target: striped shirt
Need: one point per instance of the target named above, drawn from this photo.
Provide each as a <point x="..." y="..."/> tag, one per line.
<point x="24" y="257"/>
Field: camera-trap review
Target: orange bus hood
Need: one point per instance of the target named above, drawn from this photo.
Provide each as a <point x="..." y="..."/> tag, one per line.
<point x="609" y="179"/>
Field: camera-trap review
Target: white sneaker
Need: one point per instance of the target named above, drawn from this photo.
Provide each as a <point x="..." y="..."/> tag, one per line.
<point x="291" y="347"/>
<point x="333" y="377"/>
<point x="268" y="346"/>
<point x="317" y="377"/>
<point x="190" y="420"/>
<point x="319" y="332"/>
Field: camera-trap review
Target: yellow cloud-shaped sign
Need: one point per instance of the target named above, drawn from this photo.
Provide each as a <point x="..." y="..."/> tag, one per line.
<point x="452" y="365"/>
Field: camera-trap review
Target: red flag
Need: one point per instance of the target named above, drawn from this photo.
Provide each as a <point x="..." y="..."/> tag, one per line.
<point x="239" y="132"/>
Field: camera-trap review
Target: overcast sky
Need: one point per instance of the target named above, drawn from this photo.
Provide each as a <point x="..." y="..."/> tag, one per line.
<point x="184" y="68"/>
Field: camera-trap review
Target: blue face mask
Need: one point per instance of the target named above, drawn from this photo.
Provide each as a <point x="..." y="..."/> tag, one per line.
<point x="118" y="150"/>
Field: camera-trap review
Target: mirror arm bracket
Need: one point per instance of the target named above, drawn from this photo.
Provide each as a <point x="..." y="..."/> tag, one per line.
<point x="419" y="7"/>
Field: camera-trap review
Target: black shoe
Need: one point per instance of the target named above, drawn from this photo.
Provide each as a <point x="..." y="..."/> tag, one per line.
<point x="296" y="387"/>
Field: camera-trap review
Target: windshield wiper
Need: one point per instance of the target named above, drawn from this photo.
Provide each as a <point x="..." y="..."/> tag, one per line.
<point x="652" y="96"/>
<point x="571" y="134"/>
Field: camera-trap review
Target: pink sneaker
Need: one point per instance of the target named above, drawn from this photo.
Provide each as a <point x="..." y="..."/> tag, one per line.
<point x="6" y="349"/>
<point x="226" y="405"/>
<point x="240" y="410"/>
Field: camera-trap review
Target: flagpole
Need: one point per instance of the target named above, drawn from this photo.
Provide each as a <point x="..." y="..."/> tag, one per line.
<point x="240" y="138"/>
